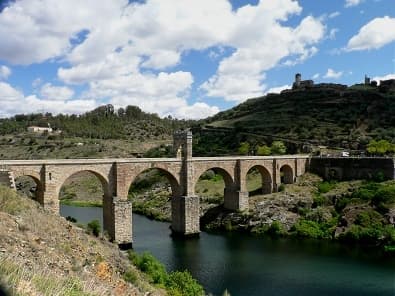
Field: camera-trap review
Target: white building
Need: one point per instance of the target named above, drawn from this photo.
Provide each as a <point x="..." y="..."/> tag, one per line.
<point x="39" y="129"/>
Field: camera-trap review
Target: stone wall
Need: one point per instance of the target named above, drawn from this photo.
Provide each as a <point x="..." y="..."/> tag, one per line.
<point x="349" y="168"/>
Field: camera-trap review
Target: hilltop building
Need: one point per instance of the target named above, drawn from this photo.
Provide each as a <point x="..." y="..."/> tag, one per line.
<point x="387" y="85"/>
<point x="302" y="84"/>
<point x="39" y="129"/>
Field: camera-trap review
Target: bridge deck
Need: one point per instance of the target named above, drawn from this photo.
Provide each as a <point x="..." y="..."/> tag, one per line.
<point x="140" y="160"/>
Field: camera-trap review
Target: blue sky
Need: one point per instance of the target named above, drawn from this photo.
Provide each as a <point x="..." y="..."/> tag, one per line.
<point x="189" y="59"/>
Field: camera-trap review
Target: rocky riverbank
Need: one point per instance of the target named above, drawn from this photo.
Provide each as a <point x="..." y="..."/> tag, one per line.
<point x="357" y="211"/>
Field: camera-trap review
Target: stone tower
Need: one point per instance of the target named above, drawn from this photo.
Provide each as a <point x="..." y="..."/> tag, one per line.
<point x="185" y="208"/>
<point x="298" y="79"/>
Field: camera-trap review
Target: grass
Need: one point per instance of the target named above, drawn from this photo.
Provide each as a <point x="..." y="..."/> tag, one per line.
<point x="21" y="280"/>
<point x="10" y="202"/>
<point x="43" y="254"/>
<point x="81" y="203"/>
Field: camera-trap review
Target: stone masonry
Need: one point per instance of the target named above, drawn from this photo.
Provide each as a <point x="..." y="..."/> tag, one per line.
<point x="183" y="171"/>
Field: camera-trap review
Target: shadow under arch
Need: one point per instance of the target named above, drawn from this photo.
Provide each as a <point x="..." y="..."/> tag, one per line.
<point x="146" y="181"/>
<point x="266" y="180"/>
<point x="286" y="174"/>
<point x="107" y="196"/>
<point x="24" y="186"/>
<point x="175" y="186"/>
<point x="228" y="182"/>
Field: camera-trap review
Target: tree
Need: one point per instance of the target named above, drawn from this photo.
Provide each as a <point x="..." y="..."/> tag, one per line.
<point x="263" y="150"/>
<point x="244" y="148"/>
<point x="278" y="147"/>
<point x="380" y="147"/>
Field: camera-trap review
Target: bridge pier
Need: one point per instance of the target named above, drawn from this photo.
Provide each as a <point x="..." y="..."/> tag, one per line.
<point x="122" y="213"/>
<point x="50" y="202"/>
<point x="185" y="215"/>
<point x="235" y="200"/>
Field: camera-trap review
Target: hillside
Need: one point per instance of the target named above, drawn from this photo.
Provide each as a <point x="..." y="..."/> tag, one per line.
<point x="103" y="122"/>
<point x="331" y="115"/>
<point x="43" y="254"/>
<point x="100" y="133"/>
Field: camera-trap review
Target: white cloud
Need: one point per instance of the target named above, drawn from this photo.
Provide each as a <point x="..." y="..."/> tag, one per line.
<point x="35" y="31"/>
<point x="9" y="94"/>
<point x="316" y="76"/>
<point x="262" y="42"/>
<point x="332" y="33"/>
<point x="334" y="14"/>
<point x="126" y="45"/>
<point x="196" y="111"/>
<point x="14" y="101"/>
<point x="5" y="72"/>
<point x="56" y="93"/>
<point x="278" y="89"/>
<point x="332" y="74"/>
<point x="375" y="34"/>
<point x="37" y="82"/>
<point x="385" y="77"/>
<point x="350" y="3"/>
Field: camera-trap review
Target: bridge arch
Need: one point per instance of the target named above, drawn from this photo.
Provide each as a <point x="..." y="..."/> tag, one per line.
<point x="39" y="191"/>
<point x="218" y="196"/>
<point x="107" y="197"/>
<point x="286" y="174"/>
<point x="266" y="178"/>
<point x="103" y="180"/>
<point x="227" y="177"/>
<point x="174" y="184"/>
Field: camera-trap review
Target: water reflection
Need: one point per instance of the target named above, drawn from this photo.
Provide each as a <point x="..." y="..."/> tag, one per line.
<point x="248" y="265"/>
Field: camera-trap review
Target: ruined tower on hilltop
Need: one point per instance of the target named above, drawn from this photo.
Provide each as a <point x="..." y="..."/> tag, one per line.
<point x="301" y="84"/>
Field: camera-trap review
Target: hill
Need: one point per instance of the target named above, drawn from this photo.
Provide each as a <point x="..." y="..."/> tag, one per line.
<point x="326" y="114"/>
<point x="103" y="132"/>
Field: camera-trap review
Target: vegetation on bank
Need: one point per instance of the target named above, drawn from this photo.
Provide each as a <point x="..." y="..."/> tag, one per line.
<point x="176" y="283"/>
<point x="360" y="215"/>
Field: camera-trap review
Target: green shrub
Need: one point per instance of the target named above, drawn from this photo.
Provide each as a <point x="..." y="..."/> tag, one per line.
<point x="325" y="186"/>
<point x="318" y="200"/>
<point x="281" y="188"/>
<point x="150" y="266"/>
<point x="276" y="229"/>
<point x="182" y="283"/>
<point x="130" y="276"/>
<point x="93" y="227"/>
<point x="311" y="229"/>
<point x="369" y="218"/>
<point x="176" y="283"/>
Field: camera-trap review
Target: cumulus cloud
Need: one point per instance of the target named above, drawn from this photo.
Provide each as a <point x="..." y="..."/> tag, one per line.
<point x="385" y="77"/>
<point x="126" y="52"/>
<point x="56" y="93"/>
<point x="4" y="72"/>
<point x="373" y="35"/>
<point x="334" y="14"/>
<point x="350" y="3"/>
<point x="332" y="74"/>
<point x="278" y="89"/>
<point x="259" y="48"/>
<point x="15" y="102"/>
<point x="316" y="76"/>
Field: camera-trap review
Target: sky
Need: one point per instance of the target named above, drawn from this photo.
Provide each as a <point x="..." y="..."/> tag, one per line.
<point x="184" y="58"/>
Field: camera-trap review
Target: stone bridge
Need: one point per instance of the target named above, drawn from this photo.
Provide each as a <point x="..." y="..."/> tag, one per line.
<point x="183" y="171"/>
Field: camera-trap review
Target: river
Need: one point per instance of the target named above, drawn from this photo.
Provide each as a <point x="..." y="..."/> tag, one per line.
<point x="255" y="266"/>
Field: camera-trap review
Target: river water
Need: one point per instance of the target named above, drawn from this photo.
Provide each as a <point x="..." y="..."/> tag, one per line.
<point x="256" y="266"/>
